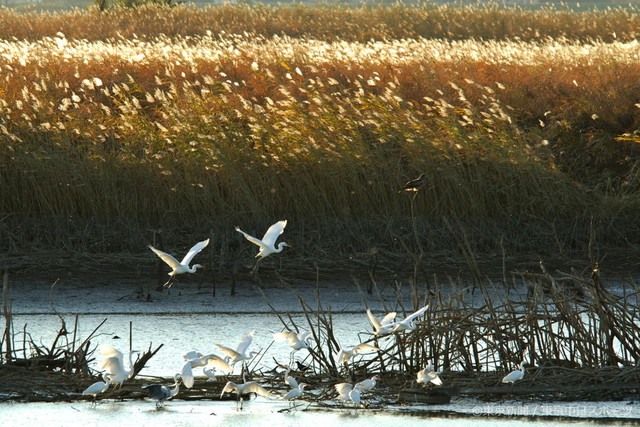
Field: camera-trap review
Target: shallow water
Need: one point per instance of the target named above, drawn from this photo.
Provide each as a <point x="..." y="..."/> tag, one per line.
<point x="178" y="413"/>
<point x="189" y="318"/>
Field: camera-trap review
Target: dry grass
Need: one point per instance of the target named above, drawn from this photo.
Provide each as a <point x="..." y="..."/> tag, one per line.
<point x="112" y="134"/>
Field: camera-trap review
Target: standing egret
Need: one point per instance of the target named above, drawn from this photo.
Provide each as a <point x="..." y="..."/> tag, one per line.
<point x="415" y="184"/>
<point x="240" y="354"/>
<point x="384" y="326"/>
<point x="344" y="355"/>
<point x="367" y="384"/>
<point x="244" y="389"/>
<point x="98" y="387"/>
<point x="295" y="393"/>
<point x="210" y="373"/>
<point x="407" y="324"/>
<point x="114" y="365"/>
<point x="429" y="374"/>
<point x="161" y="392"/>
<point x="183" y="266"/>
<point x="267" y="244"/>
<point x="514" y="376"/>
<point x="346" y="392"/>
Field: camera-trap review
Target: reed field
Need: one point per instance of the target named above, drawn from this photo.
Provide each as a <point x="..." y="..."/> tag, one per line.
<point x="193" y="120"/>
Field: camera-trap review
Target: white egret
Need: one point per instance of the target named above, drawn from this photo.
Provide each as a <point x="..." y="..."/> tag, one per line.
<point x="415" y="184"/>
<point x="295" y="393"/>
<point x="210" y="373"/>
<point x="161" y="392"/>
<point x="244" y="389"/>
<point x="240" y="354"/>
<point x="186" y="373"/>
<point x="296" y="341"/>
<point x="114" y="365"/>
<point x="191" y="355"/>
<point x="384" y="326"/>
<point x="212" y="360"/>
<point x="346" y="392"/>
<point x="267" y="244"/>
<point x="429" y="374"/>
<point x="182" y="266"/>
<point x="514" y="376"/>
<point x="367" y="384"/>
<point x="407" y="324"/>
<point x="98" y="387"/>
<point x="344" y="355"/>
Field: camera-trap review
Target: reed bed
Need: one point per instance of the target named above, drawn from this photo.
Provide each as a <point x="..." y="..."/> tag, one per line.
<point x="242" y="127"/>
<point x="329" y="21"/>
<point x="108" y="135"/>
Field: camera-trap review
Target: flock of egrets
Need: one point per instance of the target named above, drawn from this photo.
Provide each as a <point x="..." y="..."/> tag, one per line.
<point x="114" y="371"/>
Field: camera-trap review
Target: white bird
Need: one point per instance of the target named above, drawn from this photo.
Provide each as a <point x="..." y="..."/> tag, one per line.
<point x="344" y="355"/>
<point x="407" y="323"/>
<point x="367" y="384"/>
<point x="191" y="355"/>
<point x="240" y="354"/>
<point x="161" y="392"/>
<point x="384" y="326"/>
<point x="296" y="341"/>
<point x="429" y="374"/>
<point x="244" y="389"/>
<point x="346" y="392"/>
<point x="267" y="244"/>
<point x="211" y="360"/>
<point x="514" y="376"/>
<point x="295" y="392"/>
<point x="182" y="266"/>
<point x="113" y="363"/>
<point x="98" y="387"/>
<point x="210" y="373"/>
<point x="186" y="373"/>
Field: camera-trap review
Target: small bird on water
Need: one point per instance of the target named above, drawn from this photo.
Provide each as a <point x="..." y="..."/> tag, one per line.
<point x="415" y="184"/>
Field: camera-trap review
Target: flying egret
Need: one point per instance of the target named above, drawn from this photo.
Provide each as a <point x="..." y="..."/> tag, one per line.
<point x="244" y="389"/>
<point x="240" y="354"/>
<point x="384" y="326"/>
<point x="407" y="324"/>
<point x="183" y="266"/>
<point x="114" y="365"/>
<point x="514" y="376"/>
<point x="344" y="355"/>
<point x="191" y="355"/>
<point x="346" y="392"/>
<point x="429" y="374"/>
<point x="296" y="341"/>
<point x="267" y="244"/>
<point x="367" y="384"/>
<point x="415" y="184"/>
<point x="161" y="392"/>
<point x="98" y="387"/>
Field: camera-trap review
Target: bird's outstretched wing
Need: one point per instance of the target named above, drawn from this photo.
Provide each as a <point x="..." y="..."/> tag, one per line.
<point x="364" y="347"/>
<point x="420" y="312"/>
<point x="228" y="352"/>
<point x="253" y="387"/>
<point x="245" y="342"/>
<point x="388" y="319"/>
<point x="113" y="365"/>
<point x="343" y="388"/>
<point x="194" y="251"/>
<point x="373" y="320"/>
<point x="286" y="336"/>
<point x="273" y="232"/>
<point x="169" y="259"/>
<point x="250" y="238"/>
<point x="229" y="388"/>
<point x="108" y="351"/>
<point x="218" y="363"/>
